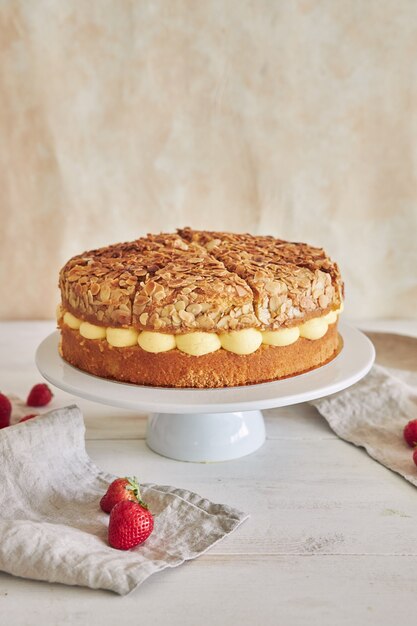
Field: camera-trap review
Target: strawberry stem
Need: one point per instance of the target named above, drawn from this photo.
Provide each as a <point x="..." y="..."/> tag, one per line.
<point x="134" y="486"/>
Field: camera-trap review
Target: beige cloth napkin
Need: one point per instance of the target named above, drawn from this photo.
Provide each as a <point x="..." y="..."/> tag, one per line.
<point x="52" y="528"/>
<point x="373" y="413"/>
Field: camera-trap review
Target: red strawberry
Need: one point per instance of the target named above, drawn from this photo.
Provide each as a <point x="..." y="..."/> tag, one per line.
<point x="40" y="395"/>
<point x="119" y="490"/>
<point x="410" y="433"/>
<point x="415" y="456"/>
<point x="130" y="524"/>
<point x="5" y="411"/>
<point x="28" y="417"/>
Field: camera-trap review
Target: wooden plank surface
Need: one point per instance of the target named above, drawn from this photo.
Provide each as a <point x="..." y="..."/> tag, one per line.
<point x="243" y="590"/>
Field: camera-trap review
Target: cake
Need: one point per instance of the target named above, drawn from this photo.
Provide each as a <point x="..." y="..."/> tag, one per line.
<point x="200" y="309"/>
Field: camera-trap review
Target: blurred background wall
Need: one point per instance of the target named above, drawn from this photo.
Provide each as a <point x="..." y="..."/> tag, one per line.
<point x="294" y="118"/>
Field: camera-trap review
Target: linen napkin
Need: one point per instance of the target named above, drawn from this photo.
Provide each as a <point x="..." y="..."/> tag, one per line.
<point x="373" y="413"/>
<point x="51" y="525"/>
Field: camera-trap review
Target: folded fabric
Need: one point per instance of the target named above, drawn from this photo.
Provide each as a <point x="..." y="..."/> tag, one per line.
<point x="52" y="527"/>
<point x="372" y="414"/>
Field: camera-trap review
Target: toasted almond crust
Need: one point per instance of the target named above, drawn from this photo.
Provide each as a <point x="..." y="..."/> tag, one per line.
<point x="201" y="281"/>
<point x="289" y="280"/>
<point x="218" y="369"/>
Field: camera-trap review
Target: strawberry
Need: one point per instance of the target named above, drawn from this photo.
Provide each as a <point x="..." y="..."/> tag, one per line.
<point x="415" y="456"/>
<point x="410" y="433"/>
<point x="40" y="395"/>
<point x="28" y="417"/>
<point x="119" y="490"/>
<point x="5" y="411"/>
<point x="130" y="524"/>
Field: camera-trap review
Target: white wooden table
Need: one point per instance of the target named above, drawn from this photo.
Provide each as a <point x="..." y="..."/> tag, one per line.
<point x="331" y="539"/>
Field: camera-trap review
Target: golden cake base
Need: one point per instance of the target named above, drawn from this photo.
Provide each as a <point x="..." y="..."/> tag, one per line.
<point x="177" y="369"/>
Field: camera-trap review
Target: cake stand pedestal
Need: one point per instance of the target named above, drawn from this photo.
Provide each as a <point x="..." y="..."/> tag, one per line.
<point x="205" y="425"/>
<point x="205" y="436"/>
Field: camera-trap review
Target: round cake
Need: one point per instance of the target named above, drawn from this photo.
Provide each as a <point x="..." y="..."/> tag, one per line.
<point x="200" y="309"/>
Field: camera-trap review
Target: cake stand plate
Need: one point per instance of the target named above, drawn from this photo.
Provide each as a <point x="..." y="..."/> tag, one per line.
<point x="210" y="424"/>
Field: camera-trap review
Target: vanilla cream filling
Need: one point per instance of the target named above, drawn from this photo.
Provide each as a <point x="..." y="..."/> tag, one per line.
<point x="244" y="341"/>
<point x="122" y="337"/>
<point x="282" y="337"/>
<point x="72" y="321"/>
<point x="91" y="331"/>
<point x="198" y="343"/>
<point x="156" y="342"/>
<point x="314" y="329"/>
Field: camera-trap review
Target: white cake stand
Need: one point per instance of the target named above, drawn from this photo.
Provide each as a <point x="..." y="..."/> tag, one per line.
<point x="210" y="424"/>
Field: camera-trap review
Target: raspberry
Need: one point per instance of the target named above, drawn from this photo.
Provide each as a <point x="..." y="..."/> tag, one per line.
<point x="5" y="411"/>
<point x="415" y="456"/>
<point x="39" y="395"/>
<point x="410" y="433"/>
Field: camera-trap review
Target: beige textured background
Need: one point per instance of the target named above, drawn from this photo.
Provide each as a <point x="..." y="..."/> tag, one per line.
<point x="297" y="119"/>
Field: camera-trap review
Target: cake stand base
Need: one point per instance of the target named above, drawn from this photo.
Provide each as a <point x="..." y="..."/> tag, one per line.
<point x="205" y="437"/>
